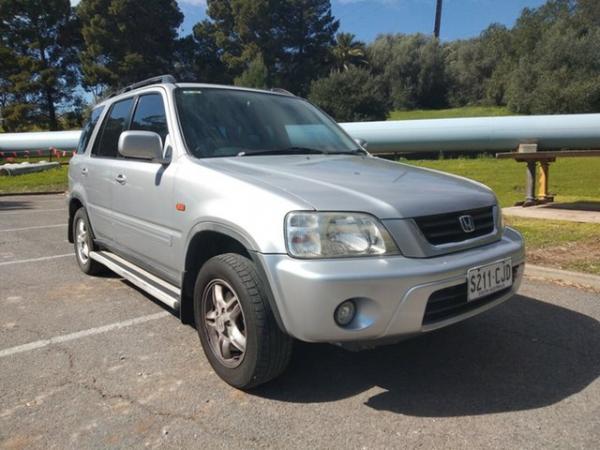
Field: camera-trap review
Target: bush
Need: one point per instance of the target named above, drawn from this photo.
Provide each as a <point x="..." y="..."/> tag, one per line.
<point x="352" y="95"/>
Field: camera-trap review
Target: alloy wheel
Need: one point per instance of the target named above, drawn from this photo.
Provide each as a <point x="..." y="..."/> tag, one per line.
<point x="224" y="323"/>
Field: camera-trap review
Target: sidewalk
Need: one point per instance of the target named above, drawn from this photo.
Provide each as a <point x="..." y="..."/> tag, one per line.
<point x="585" y="212"/>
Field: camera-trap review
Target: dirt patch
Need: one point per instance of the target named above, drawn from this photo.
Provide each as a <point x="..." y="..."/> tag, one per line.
<point x="580" y="255"/>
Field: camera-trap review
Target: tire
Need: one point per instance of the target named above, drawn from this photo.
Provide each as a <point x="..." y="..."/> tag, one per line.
<point x="83" y="241"/>
<point x="266" y="350"/>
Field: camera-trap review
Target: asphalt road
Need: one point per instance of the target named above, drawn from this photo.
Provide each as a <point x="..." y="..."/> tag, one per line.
<point x="93" y="363"/>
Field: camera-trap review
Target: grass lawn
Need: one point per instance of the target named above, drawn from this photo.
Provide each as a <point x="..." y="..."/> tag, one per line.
<point x="467" y="111"/>
<point x="571" y="179"/>
<point x="560" y="244"/>
<point x="50" y="180"/>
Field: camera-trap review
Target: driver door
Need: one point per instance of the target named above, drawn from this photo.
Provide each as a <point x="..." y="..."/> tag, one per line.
<point x="143" y="196"/>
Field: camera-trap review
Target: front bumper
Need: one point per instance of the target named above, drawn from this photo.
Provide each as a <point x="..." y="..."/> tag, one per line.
<point x="391" y="293"/>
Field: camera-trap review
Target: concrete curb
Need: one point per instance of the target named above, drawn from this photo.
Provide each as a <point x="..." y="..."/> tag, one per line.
<point x="575" y="278"/>
<point x="545" y="212"/>
<point x="11" y="194"/>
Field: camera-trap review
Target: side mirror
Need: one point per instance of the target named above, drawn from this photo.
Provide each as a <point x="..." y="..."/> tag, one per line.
<point x="364" y="144"/>
<point x="141" y="145"/>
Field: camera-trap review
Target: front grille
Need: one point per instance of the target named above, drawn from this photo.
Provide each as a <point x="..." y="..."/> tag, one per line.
<point x="446" y="228"/>
<point x="452" y="301"/>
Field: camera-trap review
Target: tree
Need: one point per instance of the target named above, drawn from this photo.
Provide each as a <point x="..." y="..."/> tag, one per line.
<point x="351" y="95"/>
<point x="255" y="76"/>
<point x="478" y="69"/>
<point x="127" y="40"/>
<point x="561" y="75"/>
<point x="556" y="62"/>
<point x="307" y="33"/>
<point x="209" y="65"/>
<point x="293" y="37"/>
<point x="38" y="70"/>
<point x="348" y="51"/>
<point x="412" y="69"/>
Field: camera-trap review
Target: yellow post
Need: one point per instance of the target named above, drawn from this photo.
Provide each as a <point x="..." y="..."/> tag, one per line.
<point x="543" y="183"/>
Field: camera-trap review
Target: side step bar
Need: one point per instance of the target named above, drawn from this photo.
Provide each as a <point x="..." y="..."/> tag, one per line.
<point x="165" y="292"/>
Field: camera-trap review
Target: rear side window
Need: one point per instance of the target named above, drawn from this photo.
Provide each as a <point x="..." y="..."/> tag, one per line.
<point x="86" y="134"/>
<point x="114" y="125"/>
<point x="150" y="115"/>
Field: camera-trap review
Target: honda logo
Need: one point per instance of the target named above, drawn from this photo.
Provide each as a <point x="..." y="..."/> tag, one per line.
<point x="467" y="223"/>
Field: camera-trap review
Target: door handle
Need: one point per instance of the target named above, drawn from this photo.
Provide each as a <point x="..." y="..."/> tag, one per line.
<point x="121" y="179"/>
<point x="84" y="171"/>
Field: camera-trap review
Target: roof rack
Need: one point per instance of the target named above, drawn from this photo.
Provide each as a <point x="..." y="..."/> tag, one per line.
<point x="170" y="79"/>
<point x="282" y="91"/>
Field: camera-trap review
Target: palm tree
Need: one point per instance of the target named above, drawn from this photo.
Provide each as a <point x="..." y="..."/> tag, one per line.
<point x="348" y="51"/>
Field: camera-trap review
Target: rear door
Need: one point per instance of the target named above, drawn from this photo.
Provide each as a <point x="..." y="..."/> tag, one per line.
<point x="79" y="165"/>
<point x="100" y="174"/>
<point x="142" y="200"/>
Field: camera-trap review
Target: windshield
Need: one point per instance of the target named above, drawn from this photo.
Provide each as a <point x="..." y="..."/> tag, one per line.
<point x="226" y="122"/>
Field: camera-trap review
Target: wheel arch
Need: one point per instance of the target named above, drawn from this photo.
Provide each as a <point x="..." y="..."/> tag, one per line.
<point x="74" y="204"/>
<point x="207" y="241"/>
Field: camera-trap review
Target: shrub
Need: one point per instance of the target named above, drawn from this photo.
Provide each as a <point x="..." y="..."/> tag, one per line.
<point x="350" y="96"/>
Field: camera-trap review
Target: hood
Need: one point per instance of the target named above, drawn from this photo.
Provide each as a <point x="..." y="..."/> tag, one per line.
<point x="383" y="188"/>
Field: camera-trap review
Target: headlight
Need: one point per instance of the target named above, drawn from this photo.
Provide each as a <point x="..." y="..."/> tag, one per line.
<point x="332" y="235"/>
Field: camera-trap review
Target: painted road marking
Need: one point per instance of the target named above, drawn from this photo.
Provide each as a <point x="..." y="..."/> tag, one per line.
<point x="44" y="258"/>
<point x="81" y="334"/>
<point x="2" y="213"/>
<point x="33" y="228"/>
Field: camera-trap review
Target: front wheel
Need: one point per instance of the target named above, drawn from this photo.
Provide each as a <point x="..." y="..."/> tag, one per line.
<point x="235" y="323"/>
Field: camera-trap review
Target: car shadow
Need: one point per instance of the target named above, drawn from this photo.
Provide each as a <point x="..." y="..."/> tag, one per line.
<point x="521" y="355"/>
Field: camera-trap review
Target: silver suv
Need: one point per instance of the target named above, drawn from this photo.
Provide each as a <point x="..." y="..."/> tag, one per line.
<point x="256" y="218"/>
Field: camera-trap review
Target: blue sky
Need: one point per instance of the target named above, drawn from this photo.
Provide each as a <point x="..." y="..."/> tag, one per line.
<point x="368" y="18"/>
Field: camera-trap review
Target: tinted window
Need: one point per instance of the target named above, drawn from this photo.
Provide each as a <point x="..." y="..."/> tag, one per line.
<point x="114" y="125"/>
<point x="86" y="134"/>
<point x="228" y="122"/>
<point x="150" y="115"/>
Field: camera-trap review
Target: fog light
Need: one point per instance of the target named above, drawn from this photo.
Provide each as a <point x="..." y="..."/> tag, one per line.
<point x="344" y="313"/>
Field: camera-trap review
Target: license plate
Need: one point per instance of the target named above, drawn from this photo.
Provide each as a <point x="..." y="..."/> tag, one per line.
<point x="485" y="280"/>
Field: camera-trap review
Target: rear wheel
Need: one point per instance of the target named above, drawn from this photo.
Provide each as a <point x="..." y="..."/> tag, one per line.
<point x="84" y="243"/>
<point x="235" y="323"/>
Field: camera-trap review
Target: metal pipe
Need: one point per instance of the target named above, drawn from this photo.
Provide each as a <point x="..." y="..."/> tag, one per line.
<point x="23" y="168"/>
<point x="577" y="131"/>
<point x="41" y="140"/>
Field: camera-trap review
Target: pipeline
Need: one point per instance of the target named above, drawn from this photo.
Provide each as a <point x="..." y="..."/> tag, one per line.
<point x="40" y="143"/>
<point x="577" y="131"/>
<point x="574" y="132"/>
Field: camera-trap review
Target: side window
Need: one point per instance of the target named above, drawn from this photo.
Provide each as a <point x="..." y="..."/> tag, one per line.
<point x="150" y="115"/>
<point x="114" y="125"/>
<point x="86" y="134"/>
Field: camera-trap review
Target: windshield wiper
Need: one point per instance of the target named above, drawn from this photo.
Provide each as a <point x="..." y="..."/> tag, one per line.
<point x="357" y="151"/>
<point x="299" y="151"/>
